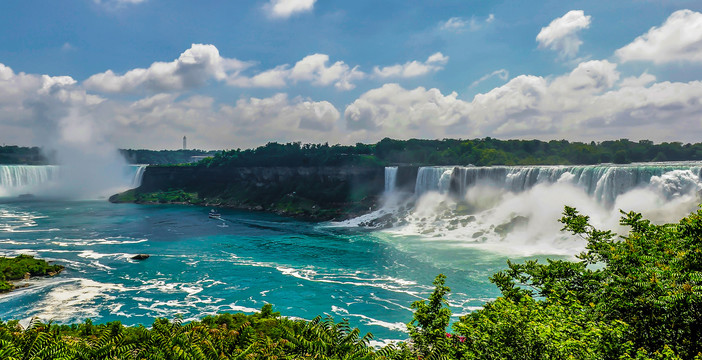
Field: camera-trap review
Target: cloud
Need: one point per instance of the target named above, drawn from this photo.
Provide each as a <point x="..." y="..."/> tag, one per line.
<point x="562" y="33"/>
<point x="44" y="109"/>
<point x="678" y="39"/>
<point x="586" y="104"/>
<point x="250" y="121"/>
<point x="116" y="4"/>
<point x="414" y="68"/>
<point x="287" y="8"/>
<point x="192" y="69"/>
<point x="459" y="24"/>
<point x="590" y="102"/>
<point x="638" y="81"/>
<point x="502" y="74"/>
<point x="312" y="68"/>
<point x="394" y="111"/>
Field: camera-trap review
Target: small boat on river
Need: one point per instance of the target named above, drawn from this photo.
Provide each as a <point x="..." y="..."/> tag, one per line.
<point x="214" y="215"/>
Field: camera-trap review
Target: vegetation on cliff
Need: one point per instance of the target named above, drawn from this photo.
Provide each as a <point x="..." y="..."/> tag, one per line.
<point x="22" y="266"/>
<point x="163" y="157"/>
<point x="632" y="297"/>
<point x="16" y="155"/>
<point x="480" y="152"/>
<point x="291" y="204"/>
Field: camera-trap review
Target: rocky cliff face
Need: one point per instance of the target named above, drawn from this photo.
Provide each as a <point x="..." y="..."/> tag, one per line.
<point x="315" y="192"/>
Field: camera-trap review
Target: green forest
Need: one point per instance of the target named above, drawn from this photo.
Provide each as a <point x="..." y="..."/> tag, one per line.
<point x="17" y="155"/>
<point x="479" y="152"/>
<point x="163" y="157"/>
<point x="637" y="296"/>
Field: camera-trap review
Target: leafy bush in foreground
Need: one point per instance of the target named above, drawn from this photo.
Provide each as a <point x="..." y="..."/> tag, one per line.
<point x="631" y="297"/>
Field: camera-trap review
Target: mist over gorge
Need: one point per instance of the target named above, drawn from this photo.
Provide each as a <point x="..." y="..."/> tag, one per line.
<point x="514" y="210"/>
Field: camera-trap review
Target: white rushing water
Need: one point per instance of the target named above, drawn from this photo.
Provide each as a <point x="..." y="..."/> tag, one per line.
<point x="49" y="180"/>
<point x="515" y="209"/>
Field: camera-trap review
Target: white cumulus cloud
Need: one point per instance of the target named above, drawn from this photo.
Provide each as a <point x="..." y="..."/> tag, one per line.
<point x="288" y="8"/>
<point x="313" y="68"/>
<point x="193" y="68"/>
<point x="591" y="102"/>
<point x="562" y="33"/>
<point x="394" y="111"/>
<point x="678" y="39"/>
<point x="413" y="68"/>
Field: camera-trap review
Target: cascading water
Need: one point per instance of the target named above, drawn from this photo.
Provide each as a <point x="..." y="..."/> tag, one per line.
<point x="19" y="179"/>
<point x="604" y="182"/>
<point x="434" y="178"/>
<point x="390" y="178"/>
<point x="138" y="175"/>
<point x="45" y="180"/>
<point x="515" y="208"/>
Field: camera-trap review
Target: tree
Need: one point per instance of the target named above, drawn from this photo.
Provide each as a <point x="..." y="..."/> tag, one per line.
<point x="431" y="318"/>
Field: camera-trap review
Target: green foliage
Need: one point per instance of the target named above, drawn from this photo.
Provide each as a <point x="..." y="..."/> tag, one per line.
<point x="431" y="318"/>
<point x="16" y="268"/>
<point x="164" y="157"/>
<point x="631" y="297"/>
<point x="264" y="335"/>
<point x="164" y="197"/>
<point x="15" y="155"/>
<point x="480" y="152"/>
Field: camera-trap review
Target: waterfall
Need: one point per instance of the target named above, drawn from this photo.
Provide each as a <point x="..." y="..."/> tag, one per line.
<point x="48" y="180"/>
<point x="390" y="178"/>
<point x="434" y="178"/>
<point x="603" y="182"/>
<point x="515" y="209"/>
<point x="20" y="178"/>
<point x="139" y="175"/>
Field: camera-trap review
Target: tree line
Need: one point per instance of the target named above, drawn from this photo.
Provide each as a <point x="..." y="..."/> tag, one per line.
<point x="479" y="152"/>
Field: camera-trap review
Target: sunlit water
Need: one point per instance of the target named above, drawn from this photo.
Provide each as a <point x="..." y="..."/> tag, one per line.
<point x="369" y="274"/>
<point x="201" y="266"/>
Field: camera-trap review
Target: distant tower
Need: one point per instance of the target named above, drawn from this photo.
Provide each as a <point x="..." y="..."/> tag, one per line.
<point x="185" y="146"/>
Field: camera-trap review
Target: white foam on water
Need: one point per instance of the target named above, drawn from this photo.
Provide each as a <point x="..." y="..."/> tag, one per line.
<point x="74" y="300"/>
<point x="385" y="283"/>
<point x="398" y="326"/>
<point x="238" y="308"/>
<point x="514" y="211"/>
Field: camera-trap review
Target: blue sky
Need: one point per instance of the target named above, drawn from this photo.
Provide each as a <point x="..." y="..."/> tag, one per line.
<point x="237" y="74"/>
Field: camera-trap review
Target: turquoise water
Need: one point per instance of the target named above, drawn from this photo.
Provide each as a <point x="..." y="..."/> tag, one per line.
<point x="200" y="266"/>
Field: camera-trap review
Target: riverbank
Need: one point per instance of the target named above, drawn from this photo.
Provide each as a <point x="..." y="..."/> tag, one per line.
<point x="23" y="267"/>
<point x="308" y="193"/>
<point x="291" y="205"/>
